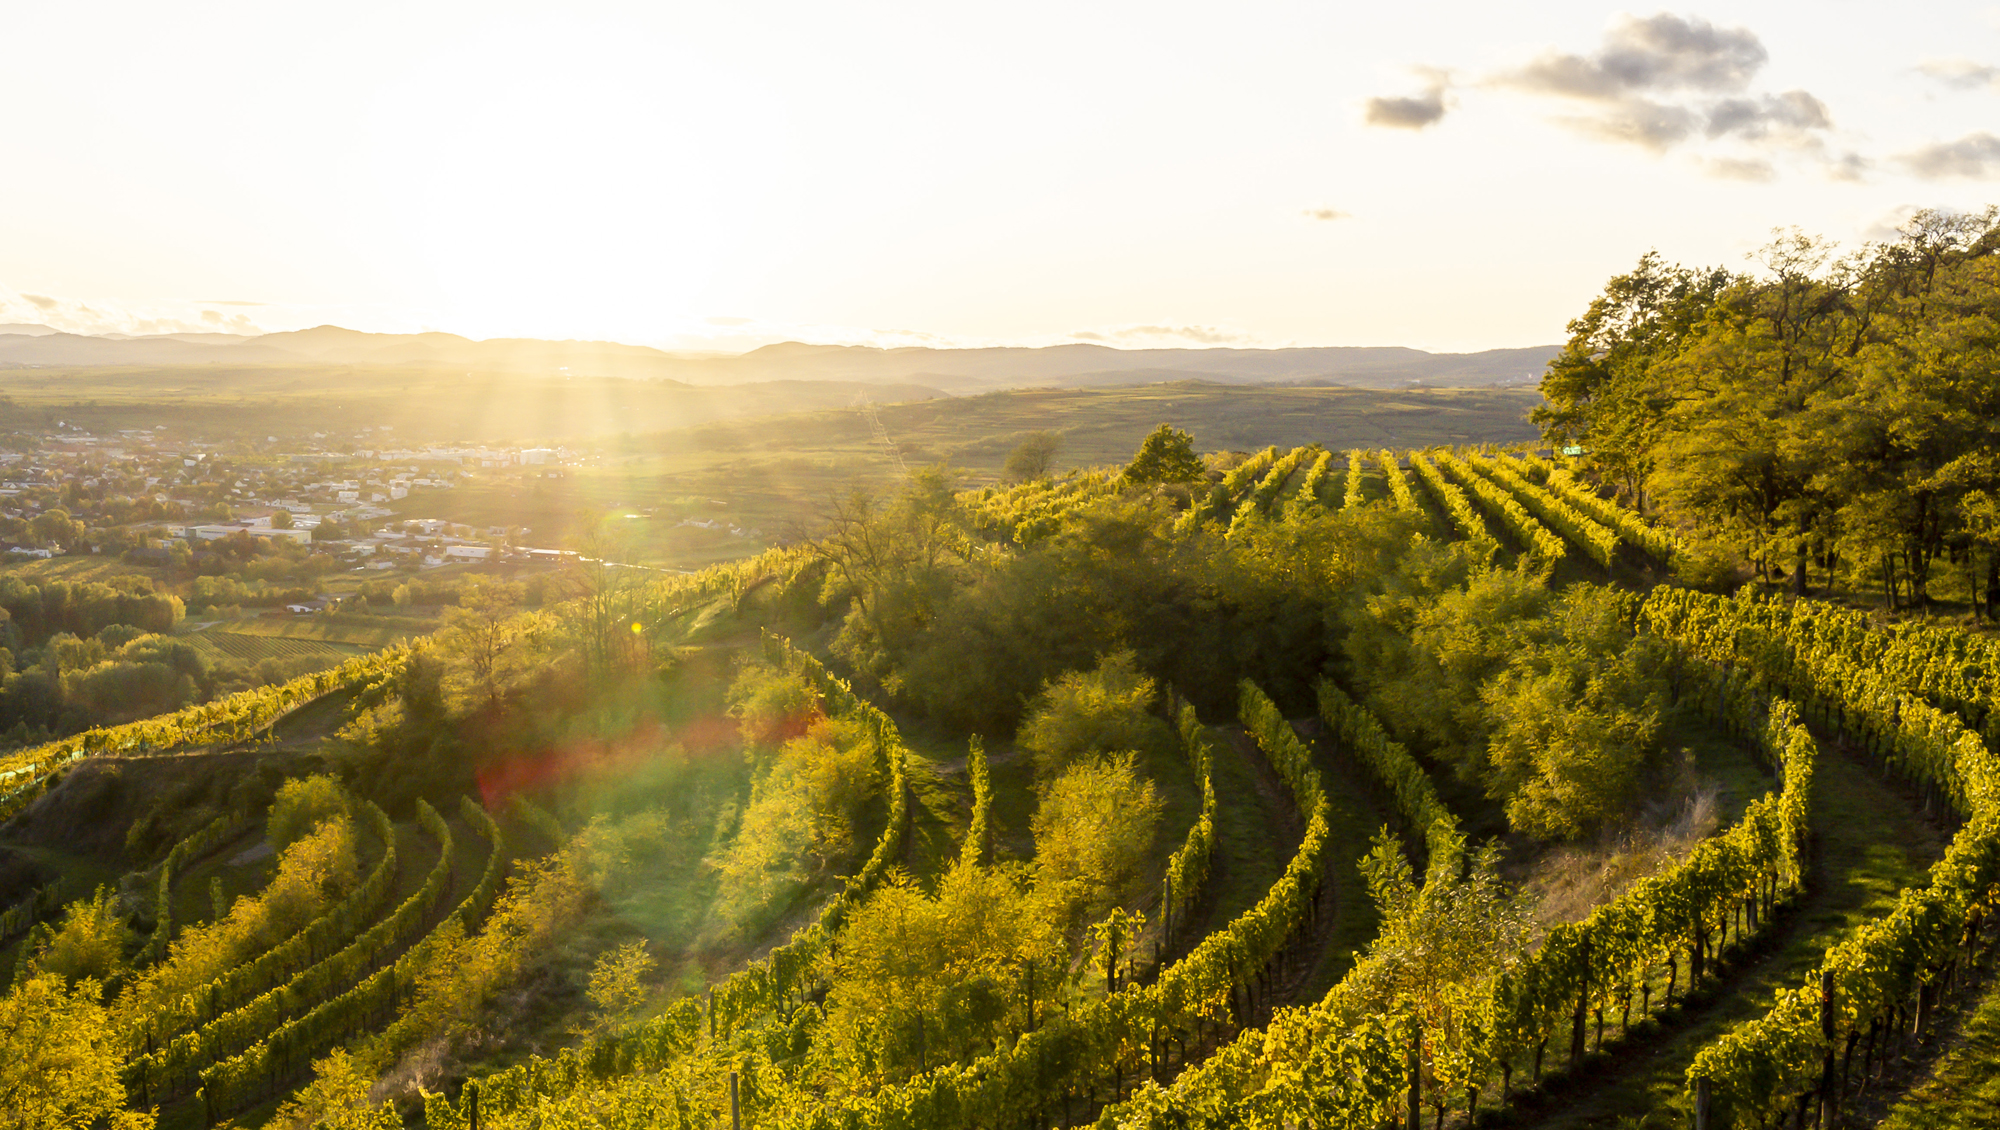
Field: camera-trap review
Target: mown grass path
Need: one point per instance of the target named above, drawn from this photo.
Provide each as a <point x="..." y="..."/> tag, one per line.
<point x="1868" y="845"/>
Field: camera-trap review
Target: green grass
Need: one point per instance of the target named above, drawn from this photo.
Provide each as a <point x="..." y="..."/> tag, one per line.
<point x="1738" y="775"/>
<point x="94" y="567"/>
<point x="1250" y="855"/>
<point x="1870" y="847"/>
<point x="191" y="900"/>
<point x="1358" y="813"/>
<point x="1962" y="1090"/>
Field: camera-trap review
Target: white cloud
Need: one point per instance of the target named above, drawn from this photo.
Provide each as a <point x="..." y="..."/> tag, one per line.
<point x="1976" y="156"/>
<point x="1667" y="81"/>
<point x="1961" y="74"/>
<point x="1166" y="336"/>
<point x="1657" y="54"/>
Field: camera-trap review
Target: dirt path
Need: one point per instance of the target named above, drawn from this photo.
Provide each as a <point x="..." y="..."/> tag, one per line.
<point x="1868" y="845"/>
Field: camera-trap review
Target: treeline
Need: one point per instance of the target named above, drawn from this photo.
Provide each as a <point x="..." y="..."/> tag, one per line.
<point x="962" y="614"/>
<point x="1827" y="421"/>
<point x="31" y="614"/>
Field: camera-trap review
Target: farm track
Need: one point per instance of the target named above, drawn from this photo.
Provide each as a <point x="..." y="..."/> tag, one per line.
<point x="1868" y="844"/>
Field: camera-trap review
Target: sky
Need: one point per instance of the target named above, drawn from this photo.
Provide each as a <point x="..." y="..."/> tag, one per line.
<point x="1448" y="176"/>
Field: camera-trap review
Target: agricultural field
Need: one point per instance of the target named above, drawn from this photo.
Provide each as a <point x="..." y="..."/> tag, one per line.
<point x="249" y="648"/>
<point x="1248" y="882"/>
<point x="342" y="631"/>
<point x="1340" y="781"/>
<point x="775" y="478"/>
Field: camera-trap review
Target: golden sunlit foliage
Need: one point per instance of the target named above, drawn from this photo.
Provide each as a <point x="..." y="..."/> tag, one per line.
<point x="1105" y="710"/>
<point x="927" y="979"/>
<point x="315" y="872"/>
<point x="59" y="1058"/>
<point x="1093" y="827"/>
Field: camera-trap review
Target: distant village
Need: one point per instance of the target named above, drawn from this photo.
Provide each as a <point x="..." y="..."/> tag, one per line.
<point x="141" y="495"/>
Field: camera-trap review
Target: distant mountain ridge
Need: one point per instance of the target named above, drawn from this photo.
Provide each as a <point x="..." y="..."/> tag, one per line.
<point x="953" y="370"/>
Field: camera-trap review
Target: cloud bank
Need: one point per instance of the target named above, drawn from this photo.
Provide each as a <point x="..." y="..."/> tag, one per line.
<point x="1976" y="155"/>
<point x="1663" y="83"/>
<point x="1961" y="74"/>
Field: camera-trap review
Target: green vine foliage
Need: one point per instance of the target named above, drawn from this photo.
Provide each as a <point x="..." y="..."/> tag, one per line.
<point x="233" y="1023"/>
<point x="1627" y="525"/>
<point x="1573" y="524"/>
<point x="262" y="1068"/>
<point x="1872" y="685"/>
<point x="1470" y="525"/>
<point x="1341" y="1062"/>
<point x="767" y="990"/>
<point x="1399" y="484"/>
<point x="1536" y="540"/>
<point x="1121" y="1036"/>
<point x="1357" y="464"/>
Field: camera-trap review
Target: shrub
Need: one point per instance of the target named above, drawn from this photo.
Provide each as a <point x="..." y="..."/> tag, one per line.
<point x="1093" y="712"/>
<point x="301" y="806"/>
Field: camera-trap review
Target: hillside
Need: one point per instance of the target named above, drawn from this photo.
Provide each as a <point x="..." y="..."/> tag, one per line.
<point x="958" y="370"/>
<point x="1056" y="768"/>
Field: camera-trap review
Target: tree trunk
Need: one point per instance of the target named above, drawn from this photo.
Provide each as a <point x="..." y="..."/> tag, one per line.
<point x="1993" y="583"/>
<point x="1416" y="1081"/>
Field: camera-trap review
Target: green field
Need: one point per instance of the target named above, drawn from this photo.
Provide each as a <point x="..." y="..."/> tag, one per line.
<point x="348" y="634"/>
<point x="75" y="570"/>
<point x="252" y="648"/>
<point x="779" y="475"/>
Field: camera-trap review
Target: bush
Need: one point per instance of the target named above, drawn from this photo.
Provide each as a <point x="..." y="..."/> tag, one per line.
<point x="1094" y="712"/>
<point x="302" y="805"/>
<point x="1093" y="829"/>
<point x="771" y="705"/>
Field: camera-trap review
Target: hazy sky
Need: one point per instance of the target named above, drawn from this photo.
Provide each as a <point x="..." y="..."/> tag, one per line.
<point x="1450" y="175"/>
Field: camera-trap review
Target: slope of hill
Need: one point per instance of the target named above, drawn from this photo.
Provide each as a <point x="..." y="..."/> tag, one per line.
<point x="1077" y="365"/>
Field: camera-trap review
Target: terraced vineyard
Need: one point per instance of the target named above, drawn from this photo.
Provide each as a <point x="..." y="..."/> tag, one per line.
<point x="892" y="920"/>
<point x="253" y="648"/>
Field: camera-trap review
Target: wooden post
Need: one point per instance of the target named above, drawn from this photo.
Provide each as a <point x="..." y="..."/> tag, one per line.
<point x="1695" y="954"/>
<point x="1577" y="1033"/>
<point x="1701" y="1102"/>
<point x="1829" y="1099"/>
<point x="1416" y="1121"/>
<point x="472" y="1105"/>
<point x="1031" y="996"/>
<point x="735" y="1111"/>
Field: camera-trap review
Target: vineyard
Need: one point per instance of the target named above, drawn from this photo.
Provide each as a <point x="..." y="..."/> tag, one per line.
<point x="1196" y="792"/>
<point x="247" y="648"/>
